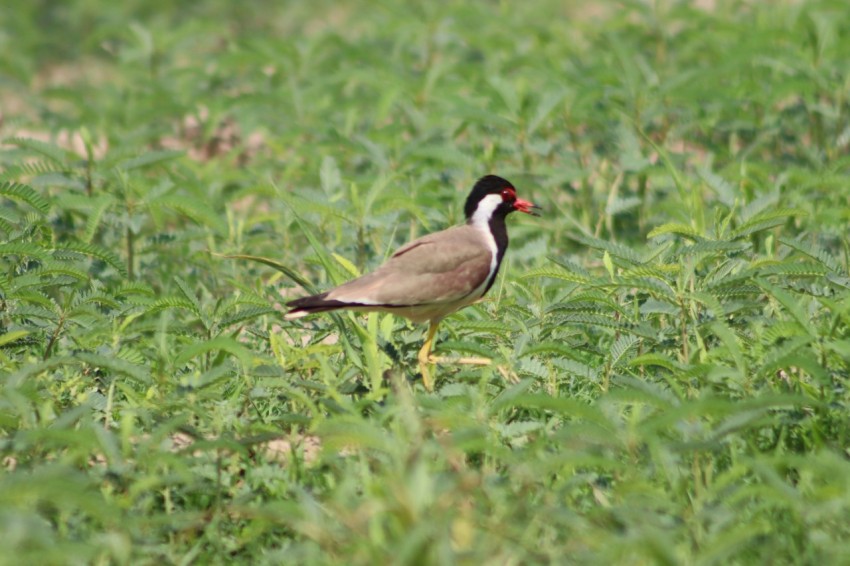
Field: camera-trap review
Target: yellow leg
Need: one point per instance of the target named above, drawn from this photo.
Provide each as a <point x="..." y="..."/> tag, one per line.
<point x="425" y="356"/>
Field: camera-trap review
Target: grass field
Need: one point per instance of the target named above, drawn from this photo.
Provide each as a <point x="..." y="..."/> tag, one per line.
<point x="671" y="337"/>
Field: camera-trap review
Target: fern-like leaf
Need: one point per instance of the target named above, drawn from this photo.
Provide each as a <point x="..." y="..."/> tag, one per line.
<point x="599" y="301"/>
<point x="787" y="300"/>
<point x="25" y="193"/>
<point x="558" y="273"/>
<point x="550" y="347"/>
<point x="622" y="350"/>
<point x="194" y="209"/>
<point x="464" y="347"/>
<point x="166" y="303"/>
<point x="657" y="271"/>
<point x="483" y="326"/>
<point x="221" y="343"/>
<point x="654" y="359"/>
<point x="7" y="227"/>
<point x="51" y="151"/>
<point x="802" y="269"/>
<point x="318" y="205"/>
<point x="31" y="169"/>
<point x="26" y="312"/>
<point x="591" y="320"/>
<point x="781" y="330"/>
<point x="656" y="287"/>
<point x="116" y="365"/>
<point x="56" y="268"/>
<point x="189" y="295"/>
<point x="132" y="356"/>
<point x="12" y="337"/>
<point x="714" y="247"/>
<point x="815" y="252"/>
<point x="288" y="272"/>
<point x="91" y="250"/>
<point x="247" y="314"/>
<point x="129" y="288"/>
<point x="99" y="207"/>
<point x="24" y="249"/>
<point x="619" y="251"/>
<point x="577" y="368"/>
<point x="764" y="221"/>
<point x="97" y="298"/>
<point x="678" y="229"/>
<point x="150" y="158"/>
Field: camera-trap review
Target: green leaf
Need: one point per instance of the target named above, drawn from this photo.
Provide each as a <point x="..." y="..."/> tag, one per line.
<point x="730" y="340"/>
<point x="653" y="285"/>
<point x="23" y="249"/>
<point x="166" y="303"/>
<point x="330" y="176"/>
<point x="547" y="103"/>
<point x="764" y="221"/>
<point x="194" y="209"/>
<point x="591" y="320"/>
<point x="50" y="151"/>
<point x="189" y="295"/>
<point x="347" y="265"/>
<point x="550" y="347"/>
<point x="791" y="304"/>
<point x="622" y="350"/>
<point x="713" y="247"/>
<point x="116" y="365"/>
<point x="609" y="264"/>
<point x="14" y="336"/>
<point x="561" y="405"/>
<point x="577" y="368"/>
<point x="249" y="313"/>
<point x="99" y="207"/>
<point x="449" y="348"/>
<point x="557" y="273"/>
<point x="654" y="359"/>
<point x="150" y="158"/>
<point x="324" y="256"/>
<point x="25" y="193"/>
<point x="291" y="274"/>
<point x="221" y="343"/>
<point x="678" y="229"/>
<point x="93" y="250"/>
<point x="54" y="268"/>
<point x="31" y="169"/>
<point x="617" y="250"/>
<point x="815" y="252"/>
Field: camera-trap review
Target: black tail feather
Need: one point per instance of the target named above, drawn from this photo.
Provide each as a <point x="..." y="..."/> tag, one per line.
<point x="314" y="304"/>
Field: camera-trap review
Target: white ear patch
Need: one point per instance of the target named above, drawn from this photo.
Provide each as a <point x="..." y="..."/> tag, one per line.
<point x="486" y="207"/>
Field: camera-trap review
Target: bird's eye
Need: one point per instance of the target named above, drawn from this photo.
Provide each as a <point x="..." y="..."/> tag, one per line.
<point x="508" y="194"/>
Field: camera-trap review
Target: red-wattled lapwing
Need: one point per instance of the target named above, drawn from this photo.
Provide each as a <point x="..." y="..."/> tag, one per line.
<point x="434" y="276"/>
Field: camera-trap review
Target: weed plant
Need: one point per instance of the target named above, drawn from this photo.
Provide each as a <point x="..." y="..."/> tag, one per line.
<point x="671" y="338"/>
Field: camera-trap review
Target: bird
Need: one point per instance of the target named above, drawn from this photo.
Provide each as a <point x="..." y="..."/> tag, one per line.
<point x="435" y="275"/>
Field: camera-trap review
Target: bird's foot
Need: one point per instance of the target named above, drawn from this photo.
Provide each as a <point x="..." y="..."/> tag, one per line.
<point x="427" y="380"/>
<point x="504" y="370"/>
<point x="425" y="362"/>
<point x="473" y="360"/>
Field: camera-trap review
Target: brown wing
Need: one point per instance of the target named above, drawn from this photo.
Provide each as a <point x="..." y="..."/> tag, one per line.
<point x="440" y="268"/>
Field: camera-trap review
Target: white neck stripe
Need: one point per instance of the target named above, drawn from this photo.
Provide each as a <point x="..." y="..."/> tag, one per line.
<point x="485" y="209"/>
<point x="481" y="221"/>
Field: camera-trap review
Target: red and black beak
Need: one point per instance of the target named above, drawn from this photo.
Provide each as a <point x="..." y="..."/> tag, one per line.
<point x="526" y="207"/>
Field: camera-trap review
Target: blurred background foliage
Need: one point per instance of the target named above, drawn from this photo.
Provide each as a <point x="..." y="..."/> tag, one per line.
<point x="670" y="338"/>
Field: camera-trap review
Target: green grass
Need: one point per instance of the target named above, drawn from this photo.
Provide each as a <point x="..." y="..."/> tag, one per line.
<point x="671" y="335"/>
